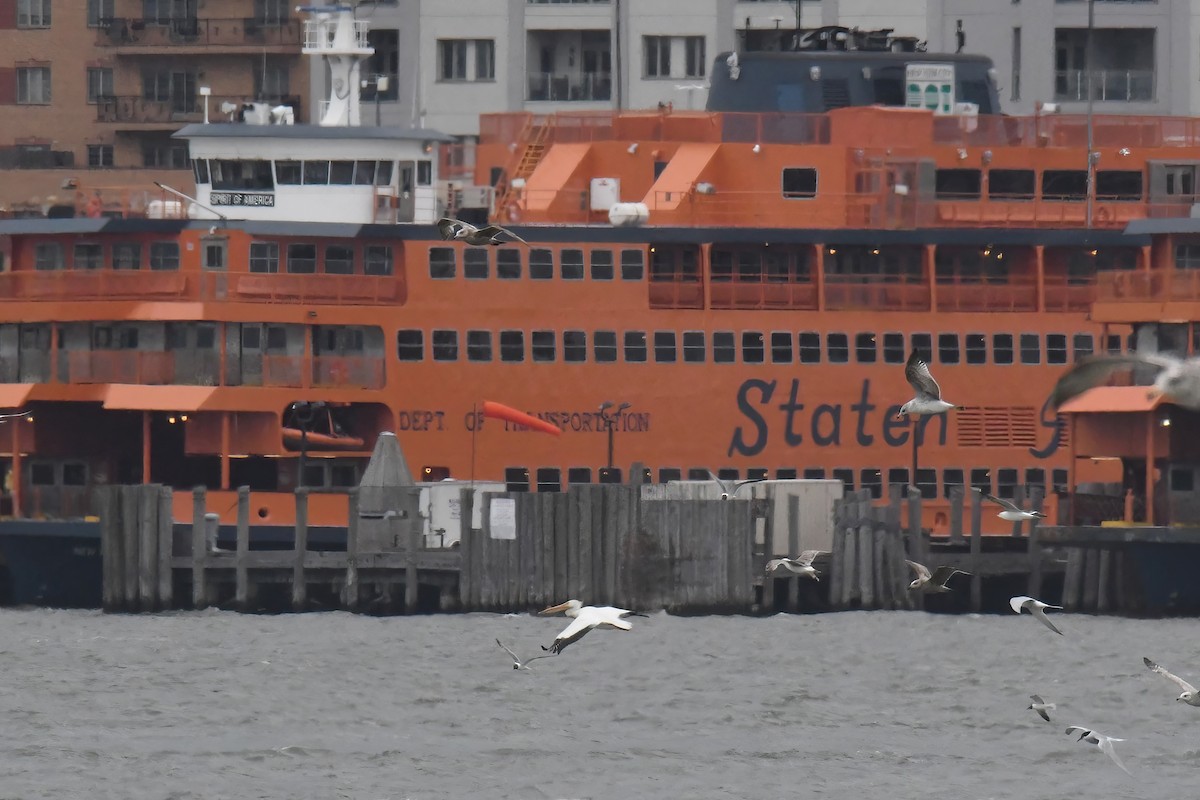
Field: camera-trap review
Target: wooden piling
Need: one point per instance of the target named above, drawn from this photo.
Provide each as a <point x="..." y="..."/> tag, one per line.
<point x="111" y="557"/>
<point x="956" y="514"/>
<point x="199" y="549"/>
<point x="299" y="581"/>
<point x="242" y="557"/>
<point x="412" y="548"/>
<point x="837" y="559"/>
<point x="130" y="519"/>
<point x="1072" y="579"/>
<point x="1091" y="578"/>
<point x="147" y="533"/>
<point x="866" y="550"/>
<point x="916" y="539"/>
<point x="900" y="572"/>
<point x="350" y="586"/>
<point x="166" y="547"/>
<point x="1103" y="586"/>
<point x="793" y="525"/>
<point x="1036" y="555"/>
<point x="976" y="549"/>
<point x="1019" y="500"/>
<point x="881" y="584"/>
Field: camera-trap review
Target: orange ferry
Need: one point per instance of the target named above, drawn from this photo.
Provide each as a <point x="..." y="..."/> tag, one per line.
<point x="735" y="289"/>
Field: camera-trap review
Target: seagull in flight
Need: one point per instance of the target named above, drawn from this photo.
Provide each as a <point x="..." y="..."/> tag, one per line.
<point x="731" y="488"/>
<point x="1012" y="512"/>
<point x="1178" y="379"/>
<point x="1189" y="695"/>
<point x="1036" y="607"/>
<point x="1041" y="706"/>
<point x="928" y="399"/>
<point x="517" y="662"/>
<point x="935" y="582"/>
<point x="5" y="417"/>
<point x="585" y="618"/>
<point x="456" y="229"/>
<point x="801" y="564"/>
<point x="1105" y="743"/>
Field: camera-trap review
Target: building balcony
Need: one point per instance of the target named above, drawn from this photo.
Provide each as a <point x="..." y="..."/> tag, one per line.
<point x="1116" y="85"/>
<point x="559" y="87"/>
<point x="139" y="110"/>
<point x="138" y="34"/>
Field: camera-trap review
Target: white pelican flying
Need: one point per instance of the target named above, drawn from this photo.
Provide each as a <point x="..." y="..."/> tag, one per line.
<point x="928" y="398"/>
<point x="456" y="229"/>
<point x="935" y="582"/>
<point x="1189" y="695"/>
<point x="801" y="564"/>
<point x="517" y="662"/>
<point x="1012" y="512"/>
<point x="584" y="619"/>
<point x="1105" y="743"/>
<point x="1036" y="607"/>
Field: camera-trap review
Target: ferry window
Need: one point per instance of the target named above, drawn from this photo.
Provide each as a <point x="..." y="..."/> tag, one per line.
<point x="633" y="265"/>
<point x="199" y="166"/>
<point x="479" y="345"/>
<point x="424" y="172"/>
<point x="1118" y="184"/>
<point x="1113" y="258"/>
<point x="508" y="265"/>
<point x="799" y="182"/>
<point x="927" y="482"/>
<point x="1031" y="348"/>
<point x="571" y="264"/>
<point x="344" y="474"/>
<point x="1182" y="479"/>
<point x="475" y="264"/>
<point x="574" y="346"/>
<point x="1006" y="482"/>
<point x="377" y="259"/>
<point x="339" y="259"/>
<point x="541" y="265"/>
<point x="542" y="345"/>
<point x="441" y="263"/>
<point x="164" y="255"/>
<point x="893" y="348"/>
<point x="264" y="257"/>
<point x="839" y="347"/>
<point x="1056" y="348"/>
<point x="604" y="345"/>
<point x="872" y="480"/>
<point x="897" y="475"/>
<point x="445" y="345"/>
<point x="922" y="343"/>
<point x="341" y="173"/>
<point x="301" y="258"/>
<point x="846" y="476"/>
<point x="721" y="266"/>
<point x="635" y="347"/>
<point x="1113" y="345"/>
<point x="814" y="474"/>
<point x="1187" y="256"/>
<point x="1035" y="476"/>
<point x="1058" y="477"/>
<point x="1011" y="184"/>
<point x="364" y="173"/>
<point x="516" y="479"/>
<point x="810" y="347"/>
<point x="512" y="346"/>
<point x="976" y="345"/>
<point x="88" y="256"/>
<point x="316" y="173"/>
<point x="383" y="173"/>
<point x="668" y="474"/>
<point x="664" y="347"/>
<point x="752" y="347"/>
<point x="41" y="473"/>
<point x="288" y="173"/>
<point x="1002" y="348"/>
<point x="1064" y="184"/>
<point x="694" y="351"/>
<point x="610" y="475"/>
<point x="723" y="349"/>
<point x="864" y="348"/>
<point x="409" y="344"/>
<point x="276" y="339"/>
<point x="948" y="348"/>
<point x="74" y="474"/>
<point x="957" y="184"/>
<point x="698" y="474"/>
<point x="127" y="255"/>
<point x="234" y="174"/>
<point x="602" y="265"/>
<point x="781" y="347"/>
<point x="48" y="255"/>
<point x="579" y="475"/>
<point x="728" y="473"/>
<point x="251" y="337"/>
<point x="549" y="479"/>
<point x="1083" y="345"/>
<point x="214" y="248"/>
<point x="981" y="479"/>
<point x="950" y="479"/>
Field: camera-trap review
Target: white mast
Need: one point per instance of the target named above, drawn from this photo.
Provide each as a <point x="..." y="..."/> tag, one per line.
<point x="341" y="40"/>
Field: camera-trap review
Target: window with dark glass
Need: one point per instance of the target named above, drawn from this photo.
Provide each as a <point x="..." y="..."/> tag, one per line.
<point x="541" y="264"/>
<point x="893" y="348"/>
<point x="839" y="347"/>
<point x="508" y="264"/>
<point x="1118" y="184"/>
<point x="927" y="482"/>
<point x="897" y="476"/>
<point x="668" y="474"/>
<point x="694" y="350"/>
<point x="341" y="173"/>
<point x="377" y="259"/>
<point x="1084" y="345"/>
<point x="127" y="255"/>
<point x="814" y="473"/>
<point x="410" y="345"/>
<point x="809" y="347"/>
<point x="316" y="173"/>
<point x="288" y="173"/>
<point x="1031" y="348"/>
<point x="445" y="345"/>
<point x="633" y="265"/>
<point x="664" y="347"/>
<point x="339" y="259"/>
<point x="542" y="345"/>
<point x="264" y="257"/>
<point x="922" y="344"/>
<point x="512" y="346"/>
<point x="516" y="479"/>
<point x="1058" y="480"/>
<point x="1113" y="345"/>
<point x="88" y="255"/>
<point x="164" y="255"/>
<point x="981" y="479"/>
<point x="698" y="474"/>
<point x="844" y="475"/>
<point x="872" y="480"/>
<point x="604" y="346"/>
<point x="549" y="479"/>
<point x="976" y="346"/>
<point x="781" y="347"/>
<point x="864" y="348"/>
<point x="479" y="345"/>
<point x="786" y="474"/>
<point x="571" y="264"/>
<point x="723" y="349"/>
<point x="301" y="258"/>
<point x="579" y="475"/>
<point x="574" y="346"/>
<point x="442" y="264"/>
<point x="752" y="347"/>
<point x="1011" y="184"/>
<point x="1056" y="348"/>
<point x="957" y="184"/>
<point x="1035" y="476"/>
<point x="948" y="348"/>
<point x="950" y="479"/>
<point x="602" y="265"/>
<point x="1002" y="348"/>
<point x="799" y="182"/>
<point x="1006" y="482"/>
<point x="475" y="264"/>
<point x="1064" y="184"/>
<point x="635" y="347"/>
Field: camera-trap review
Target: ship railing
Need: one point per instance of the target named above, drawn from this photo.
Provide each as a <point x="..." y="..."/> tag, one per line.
<point x="559" y="86"/>
<point x="1068" y="292"/>
<point x="979" y="294"/>
<point x="1095" y="509"/>
<point x="763" y="294"/>
<point x="175" y="109"/>
<point x="302" y="288"/>
<point x="360" y="372"/>
<point x="147" y="367"/>
<point x="1107" y="212"/>
<point x="1120" y="85"/>
<point x="1159" y="284"/>
<point x="57" y="502"/>
<point x="100" y="284"/>
<point x="195" y="31"/>
<point x="893" y="293"/>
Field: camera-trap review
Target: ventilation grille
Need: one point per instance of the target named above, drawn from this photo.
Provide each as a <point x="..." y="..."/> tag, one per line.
<point x="991" y="426"/>
<point x="835" y="92"/>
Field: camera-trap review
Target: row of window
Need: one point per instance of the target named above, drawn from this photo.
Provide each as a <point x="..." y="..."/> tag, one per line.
<point x="263" y="175"/>
<point x="1002" y="482"/>
<point x="265" y="257"/>
<point x="90" y="255"/>
<point x="1021" y="184"/>
<point x="37" y="13"/>
<point x="777" y="347"/>
<point x="443" y="264"/>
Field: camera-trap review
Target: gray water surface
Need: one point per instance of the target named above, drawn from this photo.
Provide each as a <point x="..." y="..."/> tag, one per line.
<point x="854" y="705"/>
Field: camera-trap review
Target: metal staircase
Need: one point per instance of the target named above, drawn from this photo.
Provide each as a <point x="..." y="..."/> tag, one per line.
<point x="532" y="144"/>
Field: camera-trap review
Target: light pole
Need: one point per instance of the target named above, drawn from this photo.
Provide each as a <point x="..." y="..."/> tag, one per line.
<point x="610" y="423"/>
<point x="380" y="84"/>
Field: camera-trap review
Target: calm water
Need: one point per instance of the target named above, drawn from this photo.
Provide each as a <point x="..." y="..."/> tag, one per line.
<point x="855" y="705"/>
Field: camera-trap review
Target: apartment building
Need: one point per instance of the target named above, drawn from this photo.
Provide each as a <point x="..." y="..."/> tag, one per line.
<point x="95" y="88"/>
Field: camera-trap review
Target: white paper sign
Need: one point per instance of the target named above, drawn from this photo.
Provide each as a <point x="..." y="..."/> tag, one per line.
<point x="502" y="520"/>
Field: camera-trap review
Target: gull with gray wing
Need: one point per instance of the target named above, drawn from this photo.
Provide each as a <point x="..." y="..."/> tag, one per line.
<point x="931" y="582"/>
<point x="1041" y="706"/>
<point x="1012" y="512"/>
<point x="1178" y="379"/>
<point x="801" y="564"/>
<point x="1035" y="607"/>
<point x="928" y="397"/>
<point x="1105" y="743"/>
<point x="1189" y="695"/>
<point x="457" y="230"/>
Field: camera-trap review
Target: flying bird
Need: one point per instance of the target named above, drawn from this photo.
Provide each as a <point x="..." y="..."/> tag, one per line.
<point x="1105" y="743"/>
<point x="931" y="583"/>
<point x="801" y="564"/>
<point x="731" y="488"/>
<point x="1178" y="379"/>
<point x="517" y="662"/>
<point x="4" y="417"/>
<point x="1041" y="706"/>
<point x="1036" y="607"/>
<point x="457" y="230"/>
<point x="1012" y="512"/>
<point x="928" y="399"/>
<point x="1189" y="695"/>
<point x="585" y="618"/>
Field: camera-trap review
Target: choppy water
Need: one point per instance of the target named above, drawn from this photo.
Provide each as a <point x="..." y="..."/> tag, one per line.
<point x="854" y="705"/>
